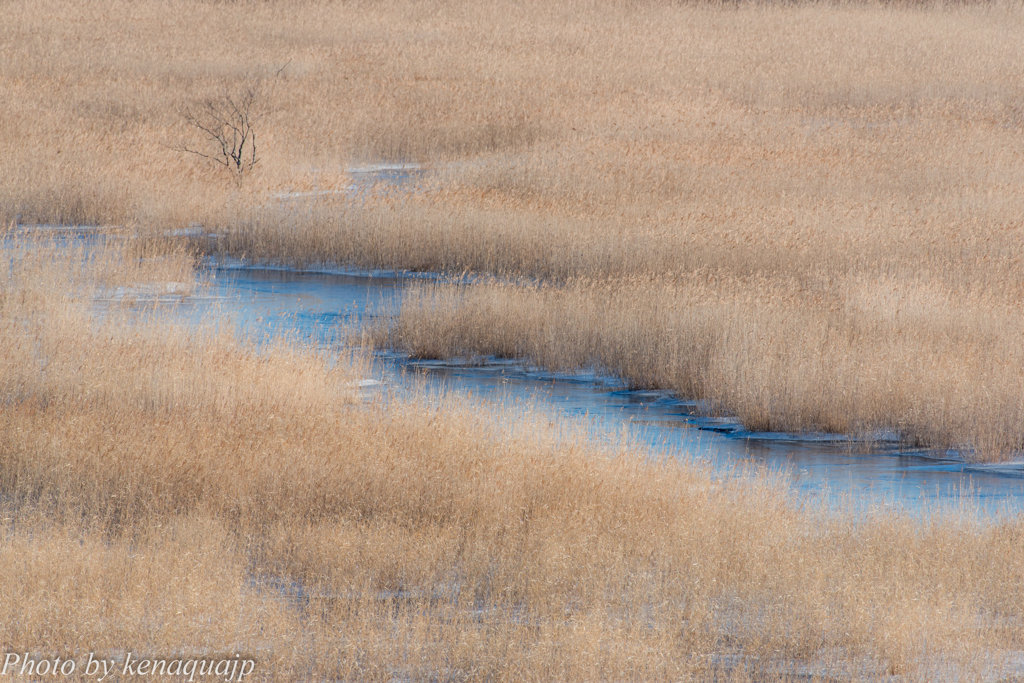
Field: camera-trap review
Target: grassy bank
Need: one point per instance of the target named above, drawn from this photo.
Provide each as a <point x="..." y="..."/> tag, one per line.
<point x="861" y="359"/>
<point x="174" y="492"/>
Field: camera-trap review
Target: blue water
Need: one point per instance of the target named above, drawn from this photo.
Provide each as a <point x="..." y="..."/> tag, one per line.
<point x="322" y="306"/>
<point x="325" y="307"/>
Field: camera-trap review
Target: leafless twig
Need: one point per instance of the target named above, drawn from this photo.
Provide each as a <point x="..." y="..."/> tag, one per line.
<point x="227" y="122"/>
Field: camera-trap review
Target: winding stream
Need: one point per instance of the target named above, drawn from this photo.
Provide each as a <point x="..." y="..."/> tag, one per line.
<point x="315" y="305"/>
<point x="263" y="301"/>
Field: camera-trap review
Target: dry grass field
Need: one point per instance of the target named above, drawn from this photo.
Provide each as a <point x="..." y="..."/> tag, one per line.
<point x="808" y="214"/>
<point x="176" y="493"/>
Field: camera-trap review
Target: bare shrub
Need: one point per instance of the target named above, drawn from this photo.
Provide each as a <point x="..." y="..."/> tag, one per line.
<point x="227" y="125"/>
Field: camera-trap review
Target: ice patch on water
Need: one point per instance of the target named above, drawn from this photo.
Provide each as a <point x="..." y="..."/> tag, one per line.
<point x="385" y="167"/>
<point x="226" y="263"/>
<point x="191" y="231"/>
<point x="148" y="291"/>
<point x="311" y="193"/>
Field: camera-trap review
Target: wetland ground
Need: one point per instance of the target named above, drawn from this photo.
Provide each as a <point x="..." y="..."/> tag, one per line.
<point x="806" y="215"/>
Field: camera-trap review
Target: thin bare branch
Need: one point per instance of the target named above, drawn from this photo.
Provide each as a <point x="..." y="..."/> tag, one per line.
<point x="228" y="122"/>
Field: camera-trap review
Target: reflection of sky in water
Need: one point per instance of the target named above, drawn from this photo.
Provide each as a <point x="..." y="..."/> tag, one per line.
<point x="314" y="305"/>
<point x="266" y="302"/>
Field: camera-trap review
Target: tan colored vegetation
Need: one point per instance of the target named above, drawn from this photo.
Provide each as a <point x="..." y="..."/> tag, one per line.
<point x="173" y="492"/>
<point x="879" y="357"/>
<point x="841" y="180"/>
<point x="807" y="214"/>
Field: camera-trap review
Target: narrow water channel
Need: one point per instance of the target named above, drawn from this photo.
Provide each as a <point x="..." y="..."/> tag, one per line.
<point x="317" y="306"/>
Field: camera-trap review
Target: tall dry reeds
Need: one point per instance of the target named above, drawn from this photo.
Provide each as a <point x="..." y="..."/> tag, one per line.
<point x="866" y="357"/>
<point x="823" y="197"/>
<point x="836" y="158"/>
<point x="174" y="492"/>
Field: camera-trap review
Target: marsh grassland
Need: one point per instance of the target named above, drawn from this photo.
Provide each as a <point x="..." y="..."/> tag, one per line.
<point x="806" y="214"/>
<point x="176" y="492"/>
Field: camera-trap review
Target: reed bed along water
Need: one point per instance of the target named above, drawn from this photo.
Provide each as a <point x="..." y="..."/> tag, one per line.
<point x="806" y="213"/>
<point x="177" y="493"/>
<point x="867" y="357"/>
<point x="834" y="186"/>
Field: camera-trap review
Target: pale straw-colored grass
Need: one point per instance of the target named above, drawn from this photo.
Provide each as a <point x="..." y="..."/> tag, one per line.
<point x="823" y="196"/>
<point x="173" y="491"/>
<point x="866" y="357"/>
<point x="841" y="179"/>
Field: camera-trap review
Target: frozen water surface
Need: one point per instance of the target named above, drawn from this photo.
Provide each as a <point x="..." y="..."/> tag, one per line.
<point x="318" y="306"/>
